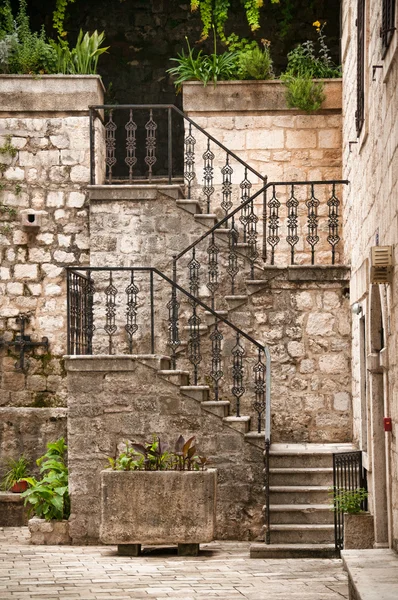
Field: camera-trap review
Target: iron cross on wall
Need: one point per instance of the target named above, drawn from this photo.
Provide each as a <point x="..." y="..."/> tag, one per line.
<point x="23" y="342"/>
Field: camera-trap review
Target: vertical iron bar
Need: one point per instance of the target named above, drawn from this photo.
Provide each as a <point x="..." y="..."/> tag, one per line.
<point x="90" y="312"/>
<point x="173" y="307"/>
<point x="233" y="265"/>
<point x="189" y="160"/>
<point x="252" y="220"/>
<point x="245" y="187"/>
<point x="152" y="314"/>
<point x="213" y="282"/>
<point x="273" y="223"/>
<point x="194" y="355"/>
<point x="292" y="223"/>
<point x="226" y="202"/>
<point x="110" y="145"/>
<point x="259" y="403"/>
<point x="238" y="389"/>
<point x="208" y="188"/>
<point x="264" y="225"/>
<point x="68" y="291"/>
<point x="266" y="486"/>
<point x="312" y="237"/>
<point x="131" y="144"/>
<point x="216" y="374"/>
<point x="333" y="237"/>
<point x="131" y="326"/>
<point x="170" y="144"/>
<point x="150" y="158"/>
<point x="110" y="312"/>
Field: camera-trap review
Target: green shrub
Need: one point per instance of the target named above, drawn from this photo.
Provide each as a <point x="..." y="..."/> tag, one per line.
<point x="49" y="496"/>
<point x="255" y="63"/>
<point x="304" y="93"/>
<point x="17" y="469"/>
<point x="349" y="501"/>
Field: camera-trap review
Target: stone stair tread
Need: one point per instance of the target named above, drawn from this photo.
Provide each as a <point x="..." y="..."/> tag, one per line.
<point x="222" y="313"/>
<point x="222" y="230"/>
<point x="201" y="328"/>
<point x="173" y="372"/>
<point x="302" y="527"/>
<point x="290" y="449"/>
<point x="299" y="488"/>
<point x="299" y="550"/>
<point x="188" y="388"/>
<point x="236" y="297"/>
<point x="237" y="419"/>
<point x="255" y="435"/>
<point x="299" y="507"/>
<point x="216" y="403"/>
<point x="256" y="281"/>
<point x="206" y="216"/>
<point x="285" y="470"/>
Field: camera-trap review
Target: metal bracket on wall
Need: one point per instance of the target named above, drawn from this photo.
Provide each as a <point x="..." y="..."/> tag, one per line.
<point x="374" y="67"/>
<point x="350" y="144"/>
<point x="23" y="343"/>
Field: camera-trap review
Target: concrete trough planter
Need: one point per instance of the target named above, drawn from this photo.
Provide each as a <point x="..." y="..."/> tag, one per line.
<point x="158" y="508"/>
<point x="49" y="533"/>
<point x="358" y="531"/>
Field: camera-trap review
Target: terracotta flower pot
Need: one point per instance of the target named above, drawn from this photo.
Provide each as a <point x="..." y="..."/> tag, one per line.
<point x="19" y="487"/>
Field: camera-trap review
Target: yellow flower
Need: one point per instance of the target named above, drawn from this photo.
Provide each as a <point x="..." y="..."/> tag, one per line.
<point x="316" y="24"/>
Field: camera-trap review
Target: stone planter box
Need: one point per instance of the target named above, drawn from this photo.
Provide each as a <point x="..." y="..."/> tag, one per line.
<point x="358" y="531"/>
<point x="249" y="96"/>
<point x="157" y="508"/>
<point x="49" y="533"/>
<point x="13" y="513"/>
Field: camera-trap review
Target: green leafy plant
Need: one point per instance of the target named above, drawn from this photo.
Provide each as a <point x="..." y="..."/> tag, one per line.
<point x="17" y="469"/>
<point x="8" y="148"/>
<point x="157" y="456"/>
<point x="306" y="63"/>
<point x="213" y="67"/>
<point x="49" y="496"/>
<point x="83" y="58"/>
<point x="255" y="63"/>
<point x="348" y="501"/>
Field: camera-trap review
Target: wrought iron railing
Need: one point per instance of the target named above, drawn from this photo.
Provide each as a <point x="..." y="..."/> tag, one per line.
<point x="227" y="255"/>
<point x="118" y="310"/>
<point x="126" y="150"/>
<point x="348" y="476"/>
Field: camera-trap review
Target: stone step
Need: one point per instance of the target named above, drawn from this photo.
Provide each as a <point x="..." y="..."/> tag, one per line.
<point x="241" y="424"/>
<point x="222" y="231"/>
<point x="299" y="494"/>
<point x="176" y="376"/>
<point x="197" y="392"/>
<point x="255" y="285"/>
<point x="301" y="514"/>
<point x="301" y="476"/>
<point x="209" y="220"/>
<point x="236" y="300"/>
<point x="156" y="361"/>
<point x="255" y="438"/>
<point x="306" y="455"/>
<point x="202" y="328"/>
<point x="210" y="318"/>
<point x="191" y="206"/>
<point x="262" y="550"/>
<point x="302" y="533"/>
<point x="219" y="408"/>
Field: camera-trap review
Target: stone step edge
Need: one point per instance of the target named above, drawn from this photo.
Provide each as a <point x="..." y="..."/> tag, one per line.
<point x="310" y="470"/>
<point x="262" y="550"/>
<point x="302" y="527"/>
<point x="300" y="508"/>
<point x="299" y="488"/>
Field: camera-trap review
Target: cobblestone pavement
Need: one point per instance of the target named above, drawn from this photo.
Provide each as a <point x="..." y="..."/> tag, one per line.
<point x="223" y="570"/>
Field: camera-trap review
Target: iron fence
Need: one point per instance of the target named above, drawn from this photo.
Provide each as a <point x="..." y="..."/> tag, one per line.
<point x="348" y="476"/>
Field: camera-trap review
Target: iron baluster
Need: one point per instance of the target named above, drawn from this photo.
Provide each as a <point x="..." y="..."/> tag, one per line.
<point x="131" y="326"/>
<point x="252" y="253"/>
<point x="173" y="306"/>
<point x="189" y="160"/>
<point x="89" y="308"/>
<point x="245" y="187"/>
<point x="226" y="172"/>
<point x="238" y="389"/>
<point x="150" y="144"/>
<point x="259" y="389"/>
<point x="194" y="355"/>
<point x="194" y="277"/>
<point x="213" y="282"/>
<point x="264" y="257"/>
<point x="312" y="237"/>
<point x="208" y="188"/>
<point x="292" y="223"/>
<point x="273" y="223"/>
<point x="72" y="313"/>
<point x="333" y="237"/>
<point x="216" y="374"/>
<point x="348" y="476"/>
<point x="131" y="145"/>
<point x="110" y="145"/>
<point x="110" y="312"/>
<point x="267" y="515"/>
<point x="233" y="265"/>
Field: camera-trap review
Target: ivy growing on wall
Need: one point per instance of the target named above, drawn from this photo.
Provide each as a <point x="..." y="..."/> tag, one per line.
<point x="59" y="15"/>
<point x="215" y="12"/>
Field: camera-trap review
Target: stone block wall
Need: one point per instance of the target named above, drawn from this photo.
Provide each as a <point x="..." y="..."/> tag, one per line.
<point x="370" y="219"/>
<point x="253" y="120"/>
<point x="44" y="164"/>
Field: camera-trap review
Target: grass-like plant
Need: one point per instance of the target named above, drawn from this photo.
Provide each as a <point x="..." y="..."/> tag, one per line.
<point x="255" y="63"/>
<point x="83" y="58"/>
<point x="16" y="469"/>
<point x="157" y="456"/>
<point x="49" y="496"/>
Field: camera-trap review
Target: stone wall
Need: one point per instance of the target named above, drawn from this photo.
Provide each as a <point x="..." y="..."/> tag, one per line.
<point x="117" y="398"/>
<point x="370" y="212"/>
<point x="253" y="120"/>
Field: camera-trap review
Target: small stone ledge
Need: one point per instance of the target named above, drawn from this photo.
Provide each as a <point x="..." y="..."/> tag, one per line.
<point x="12" y="510"/>
<point x="372" y="574"/>
<point x="22" y="412"/>
<point x="112" y="363"/>
<point x="138" y="192"/>
<point x="317" y="273"/>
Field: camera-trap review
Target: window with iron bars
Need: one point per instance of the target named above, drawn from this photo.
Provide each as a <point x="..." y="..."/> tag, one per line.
<point x="387" y="24"/>
<point x="359" y="115"/>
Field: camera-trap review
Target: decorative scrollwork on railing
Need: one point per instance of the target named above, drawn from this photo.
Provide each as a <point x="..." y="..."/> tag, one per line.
<point x="131" y="312"/>
<point x="273" y="223"/>
<point x="333" y="237"/>
<point x="194" y="355"/>
<point x="90" y="327"/>
<point x="150" y="144"/>
<point x="216" y="374"/>
<point x="245" y="187"/>
<point x="238" y="389"/>
<point x="226" y="172"/>
<point x="208" y="188"/>
<point x="252" y="254"/>
<point x="312" y="222"/>
<point x="131" y="145"/>
<point x="213" y="282"/>
<point x="259" y="389"/>
<point x="110" y="145"/>
<point x="233" y="264"/>
<point x="110" y="311"/>
<point x="194" y="276"/>
<point x="292" y="223"/>
<point x="189" y="160"/>
<point x="173" y="328"/>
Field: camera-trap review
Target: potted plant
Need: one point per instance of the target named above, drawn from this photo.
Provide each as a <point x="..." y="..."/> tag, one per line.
<point x="14" y="478"/>
<point x="358" y="523"/>
<point x="153" y="495"/>
<point x="49" y="497"/>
